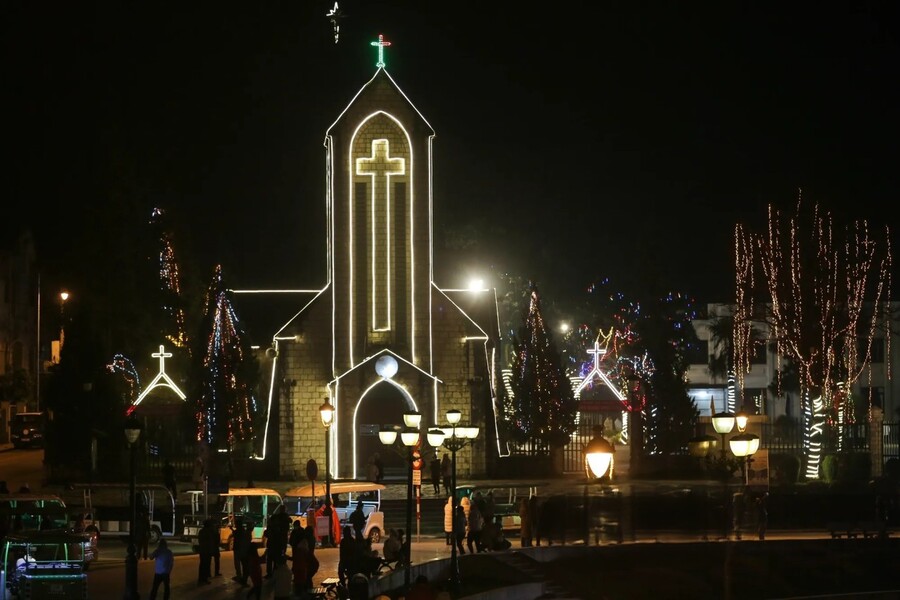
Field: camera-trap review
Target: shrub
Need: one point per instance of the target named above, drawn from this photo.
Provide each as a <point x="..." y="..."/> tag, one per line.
<point x="828" y="470"/>
<point x="784" y="469"/>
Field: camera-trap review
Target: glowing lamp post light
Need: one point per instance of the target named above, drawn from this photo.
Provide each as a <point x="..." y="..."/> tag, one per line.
<point x="598" y="460"/>
<point x="744" y="446"/>
<point x="132" y="433"/>
<point x="740" y="420"/>
<point x="723" y="423"/>
<point x="456" y="437"/>
<point x="326" y="411"/>
<point x="598" y="455"/>
<point x="409" y="439"/>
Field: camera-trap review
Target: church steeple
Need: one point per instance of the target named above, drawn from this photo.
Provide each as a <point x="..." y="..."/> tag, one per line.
<point x="379" y="156"/>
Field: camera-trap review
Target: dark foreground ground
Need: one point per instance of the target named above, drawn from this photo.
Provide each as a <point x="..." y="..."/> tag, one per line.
<point x="728" y="570"/>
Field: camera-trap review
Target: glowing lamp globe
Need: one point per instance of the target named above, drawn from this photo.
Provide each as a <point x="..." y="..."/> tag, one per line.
<point x="599" y="454"/>
<point x="744" y="444"/>
<point x="386" y="366"/>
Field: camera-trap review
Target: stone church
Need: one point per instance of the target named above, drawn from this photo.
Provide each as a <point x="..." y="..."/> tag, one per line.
<point x="381" y="338"/>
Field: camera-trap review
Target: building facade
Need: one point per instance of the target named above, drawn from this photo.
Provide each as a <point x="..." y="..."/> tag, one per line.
<point x="19" y="360"/>
<point x="380" y="338"/>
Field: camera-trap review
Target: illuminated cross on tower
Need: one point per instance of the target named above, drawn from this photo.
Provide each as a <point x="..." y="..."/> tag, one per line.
<point x="380" y="166"/>
<point x="381" y="43"/>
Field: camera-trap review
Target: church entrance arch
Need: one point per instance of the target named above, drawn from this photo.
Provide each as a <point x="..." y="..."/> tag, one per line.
<point x="382" y="405"/>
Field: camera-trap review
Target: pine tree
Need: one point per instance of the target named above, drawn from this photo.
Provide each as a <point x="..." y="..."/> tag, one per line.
<point x="665" y="333"/>
<point x="543" y="404"/>
<point x="225" y="374"/>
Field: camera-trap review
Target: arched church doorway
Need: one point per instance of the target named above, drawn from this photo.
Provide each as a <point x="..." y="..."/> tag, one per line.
<point x="382" y="406"/>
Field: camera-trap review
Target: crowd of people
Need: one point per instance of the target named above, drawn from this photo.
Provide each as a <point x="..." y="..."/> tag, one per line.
<point x="474" y="526"/>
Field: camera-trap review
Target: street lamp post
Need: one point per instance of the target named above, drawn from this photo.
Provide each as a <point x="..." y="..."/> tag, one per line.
<point x="743" y="446"/>
<point x="723" y="423"/>
<point x="63" y="296"/>
<point x="132" y="433"/>
<point x="456" y="437"/>
<point x="598" y="460"/>
<point x="327" y="413"/>
<point x="409" y="438"/>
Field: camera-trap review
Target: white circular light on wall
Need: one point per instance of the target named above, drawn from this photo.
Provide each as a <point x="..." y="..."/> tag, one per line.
<point x="386" y="366"/>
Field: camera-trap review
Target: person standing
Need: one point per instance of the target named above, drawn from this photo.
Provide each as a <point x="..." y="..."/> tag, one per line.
<point x="296" y="534"/>
<point x="358" y="520"/>
<point x="447" y="474"/>
<point x="164" y="560"/>
<point x="206" y="542"/>
<point x="279" y="528"/>
<point x="448" y="521"/>
<point x="347" y="556"/>
<point x="436" y="475"/>
<point x="169" y="478"/>
<point x="459" y="528"/>
<point x="476" y="524"/>
<point x="239" y="545"/>
<point x="254" y="568"/>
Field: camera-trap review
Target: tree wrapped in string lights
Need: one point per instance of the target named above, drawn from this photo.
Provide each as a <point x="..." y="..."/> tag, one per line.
<point x="225" y="373"/>
<point x="543" y="405"/>
<point x="824" y="294"/>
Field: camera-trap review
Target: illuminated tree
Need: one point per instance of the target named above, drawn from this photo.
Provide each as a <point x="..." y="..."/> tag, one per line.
<point x="170" y="297"/>
<point x="225" y="374"/>
<point x="647" y="358"/>
<point x="543" y="404"/>
<point x="822" y="296"/>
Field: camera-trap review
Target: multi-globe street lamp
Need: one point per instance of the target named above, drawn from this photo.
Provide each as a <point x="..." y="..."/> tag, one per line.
<point x="326" y="411"/>
<point x="409" y="439"/>
<point x="456" y="437"/>
<point x="132" y="433"/>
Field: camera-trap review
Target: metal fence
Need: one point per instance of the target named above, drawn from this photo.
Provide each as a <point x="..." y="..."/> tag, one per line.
<point x="776" y="439"/>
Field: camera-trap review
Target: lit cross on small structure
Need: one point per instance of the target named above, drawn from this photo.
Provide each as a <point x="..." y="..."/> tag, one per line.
<point x="598" y="353"/>
<point x="381" y="43"/>
<point x="161" y="379"/>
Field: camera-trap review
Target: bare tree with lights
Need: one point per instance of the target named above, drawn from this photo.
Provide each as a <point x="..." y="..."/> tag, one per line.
<point x="822" y="296"/>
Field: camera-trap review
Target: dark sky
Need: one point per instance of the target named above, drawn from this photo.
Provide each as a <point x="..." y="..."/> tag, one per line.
<point x="575" y="142"/>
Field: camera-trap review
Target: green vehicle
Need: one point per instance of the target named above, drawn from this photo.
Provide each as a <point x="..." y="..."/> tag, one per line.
<point x="44" y="564"/>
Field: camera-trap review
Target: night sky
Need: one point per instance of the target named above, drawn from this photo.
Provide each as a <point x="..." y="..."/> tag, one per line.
<point x="574" y="142"/>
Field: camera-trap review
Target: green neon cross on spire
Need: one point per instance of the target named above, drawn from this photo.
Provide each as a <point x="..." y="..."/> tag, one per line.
<point x="381" y="43"/>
